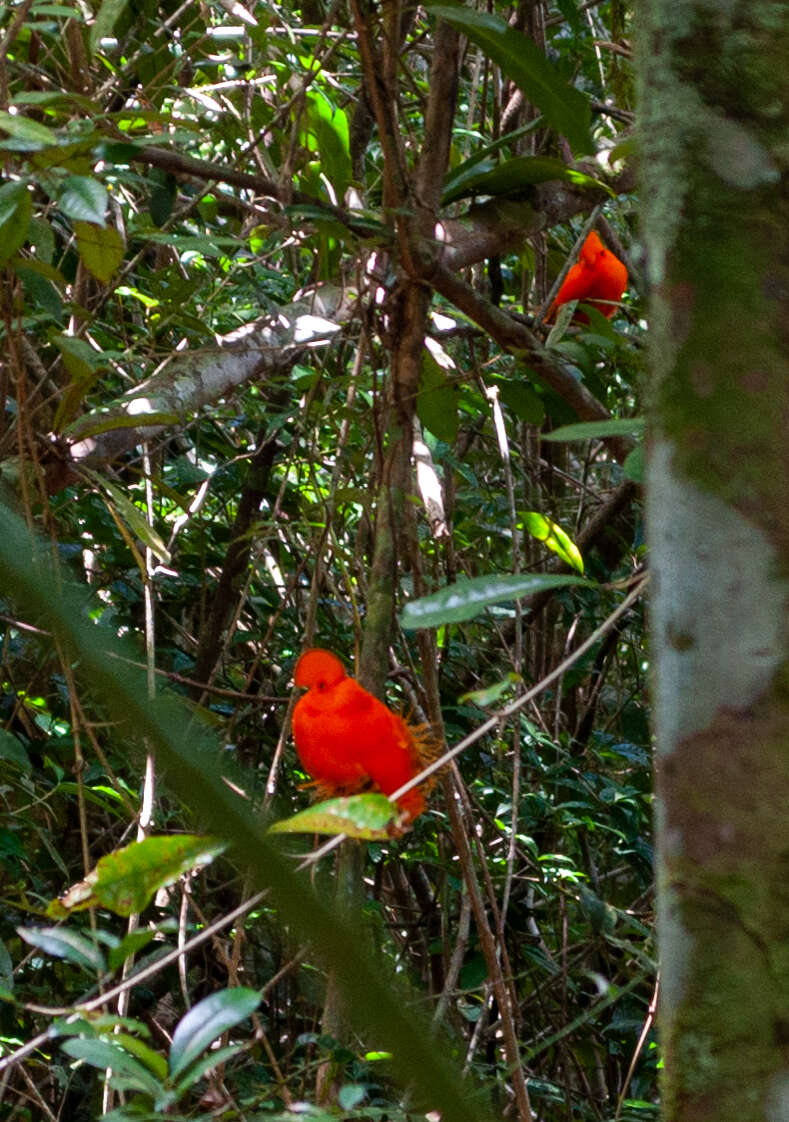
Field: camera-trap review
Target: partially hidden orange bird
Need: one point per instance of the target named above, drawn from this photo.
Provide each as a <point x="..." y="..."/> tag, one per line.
<point x="598" y="278"/>
<point x="349" y="741"/>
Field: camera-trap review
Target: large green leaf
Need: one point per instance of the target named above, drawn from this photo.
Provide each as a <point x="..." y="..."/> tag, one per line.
<point x="595" y="430"/>
<point x="376" y="998"/>
<point x="102" y="1054"/>
<point x="467" y="598"/>
<point x="206" y="1021"/>
<point x="61" y="942"/>
<point x="11" y="749"/>
<point x="326" y="132"/>
<point x="126" y="880"/>
<point x="523" y="61"/>
<point x="84" y="199"/>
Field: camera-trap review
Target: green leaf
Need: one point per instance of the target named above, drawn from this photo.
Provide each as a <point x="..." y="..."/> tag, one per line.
<point x="359" y="816"/>
<point x="153" y="1060"/>
<point x="16" y="210"/>
<point x="129" y="945"/>
<point x="41" y="293"/>
<point x="6" y="972"/>
<point x="602" y="917"/>
<point x="202" y="1066"/>
<point x="126" y="880"/>
<point x="459" y="183"/>
<point x="101" y="250"/>
<point x="101" y="1054"/>
<point x="467" y="598"/>
<point x="25" y="135"/>
<point x="11" y="749"/>
<point x="436" y="403"/>
<point x="465" y="170"/>
<point x="79" y="358"/>
<point x="206" y="1021"/>
<point x="83" y="363"/>
<point x="522" y="60"/>
<point x="60" y="942"/>
<point x="515" y="175"/>
<point x="554" y="537"/>
<point x="325" y="130"/>
<point x="84" y="199"/>
<point x="593" y="430"/>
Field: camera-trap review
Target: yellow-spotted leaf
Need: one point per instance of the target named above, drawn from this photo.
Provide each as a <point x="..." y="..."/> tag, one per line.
<point x="371" y="817"/>
<point x="124" y="881"/>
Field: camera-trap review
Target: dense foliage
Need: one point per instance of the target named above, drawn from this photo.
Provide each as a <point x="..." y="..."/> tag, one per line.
<point x="210" y="264"/>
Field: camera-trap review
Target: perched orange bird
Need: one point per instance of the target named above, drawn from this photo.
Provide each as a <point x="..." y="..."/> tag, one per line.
<point x="598" y="278"/>
<point x="348" y="740"/>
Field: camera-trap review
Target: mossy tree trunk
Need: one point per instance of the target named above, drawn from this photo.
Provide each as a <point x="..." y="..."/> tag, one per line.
<point x="714" y="150"/>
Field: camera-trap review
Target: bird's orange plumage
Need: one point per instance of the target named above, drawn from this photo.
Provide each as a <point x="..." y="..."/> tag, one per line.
<point x="348" y="740"/>
<point x="598" y="278"/>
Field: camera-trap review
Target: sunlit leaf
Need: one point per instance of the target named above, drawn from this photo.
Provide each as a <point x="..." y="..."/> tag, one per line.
<point x="368" y="816"/>
<point x="491" y="695"/>
<point x="326" y="132"/>
<point x="554" y="537"/>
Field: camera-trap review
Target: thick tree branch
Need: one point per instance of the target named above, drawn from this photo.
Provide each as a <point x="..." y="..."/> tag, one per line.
<point x="198" y="378"/>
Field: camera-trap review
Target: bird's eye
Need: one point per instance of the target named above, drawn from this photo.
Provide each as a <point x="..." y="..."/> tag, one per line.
<point x="321" y="684"/>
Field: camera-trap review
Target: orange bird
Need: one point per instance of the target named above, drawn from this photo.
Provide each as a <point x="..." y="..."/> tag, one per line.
<point x="348" y="740"/>
<point x="597" y="276"/>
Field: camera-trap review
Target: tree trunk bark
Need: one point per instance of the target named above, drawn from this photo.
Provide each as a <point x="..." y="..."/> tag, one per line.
<point x="715" y="121"/>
